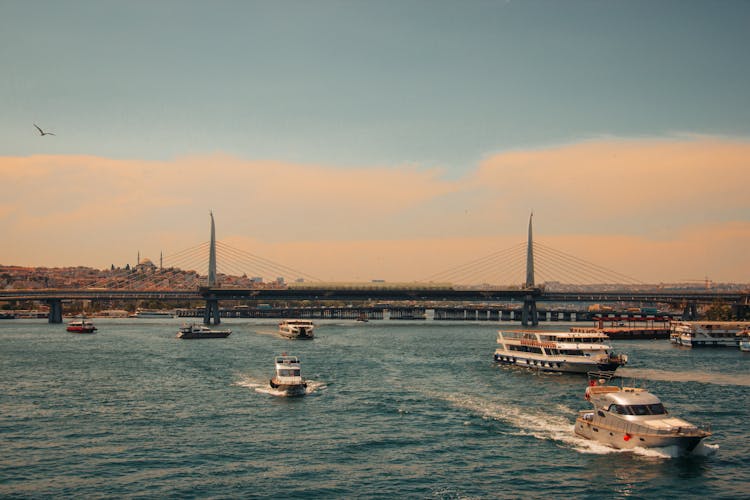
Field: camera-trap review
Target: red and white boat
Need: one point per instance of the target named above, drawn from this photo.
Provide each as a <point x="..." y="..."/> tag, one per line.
<point x="81" y="326"/>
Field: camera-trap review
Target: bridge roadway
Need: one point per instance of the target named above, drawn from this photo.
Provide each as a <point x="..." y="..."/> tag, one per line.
<point x="379" y="294"/>
<point x="440" y="294"/>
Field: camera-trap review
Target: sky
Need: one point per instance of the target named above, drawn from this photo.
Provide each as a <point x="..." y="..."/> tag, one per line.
<point x="359" y="140"/>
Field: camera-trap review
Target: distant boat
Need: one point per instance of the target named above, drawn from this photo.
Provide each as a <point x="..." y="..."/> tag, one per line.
<point x="362" y="318"/>
<point x="743" y="340"/>
<point x="81" y="326"/>
<point x="707" y="333"/>
<point x="151" y="313"/>
<point x="194" y="331"/>
<point x="287" y="377"/>
<point x="296" y="329"/>
<point x="7" y="316"/>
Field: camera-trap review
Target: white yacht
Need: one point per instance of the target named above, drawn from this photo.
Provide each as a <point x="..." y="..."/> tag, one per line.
<point x="707" y="333"/>
<point x="630" y="417"/>
<point x="196" y="331"/>
<point x="287" y="377"/>
<point x="296" y="328"/>
<point x="572" y="352"/>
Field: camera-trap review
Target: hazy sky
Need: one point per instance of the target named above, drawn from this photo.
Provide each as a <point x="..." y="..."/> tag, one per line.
<point x="388" y="139"/>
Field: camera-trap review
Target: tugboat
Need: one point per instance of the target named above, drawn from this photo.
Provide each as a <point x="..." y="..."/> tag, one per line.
<point x="297" y="329"/>
<point x="194" y="331"/>
<point x="287" y="377"/>
<point x="630" y="417"/>
<point x="81" y="326"/>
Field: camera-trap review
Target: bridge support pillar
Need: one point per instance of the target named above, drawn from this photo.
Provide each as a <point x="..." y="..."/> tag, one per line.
<point x="211" y="312"/>
<point x="529" y="316"/>
<point x="690" y="313"/>
<point x="55" y="311"/>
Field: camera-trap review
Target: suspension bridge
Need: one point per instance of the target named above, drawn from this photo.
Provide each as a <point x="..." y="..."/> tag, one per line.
<point x="233" y="275"/>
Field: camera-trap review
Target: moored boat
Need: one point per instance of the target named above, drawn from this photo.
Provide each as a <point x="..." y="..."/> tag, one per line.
<point x="743" y="340"/>
<point x="296" y="329"/>
<point x="287" y="377"/>
<point x="81" y="326"/>
<point x="630" y="417"/>
<point x="571" y="352"/>
<point x="707" y="333"/>
<point x="195" y="331"/>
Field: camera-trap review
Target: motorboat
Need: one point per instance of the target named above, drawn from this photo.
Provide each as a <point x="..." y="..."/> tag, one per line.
<point x="296" y="329"/>
<point x="569" y="352"/>
<point x="707" y="333"/>
<point x="196" y="331"/>
<point x="631" y="417"/>
<point x="81" y="326"/>
<point x="743" y="340"/>
<point x="287" y="377"/>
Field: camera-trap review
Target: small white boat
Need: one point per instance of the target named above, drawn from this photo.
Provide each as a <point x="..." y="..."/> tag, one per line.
<point x="567" y="352"/>
<point x="630" y="417"/>
<point x="195" y="331"/>
<point x="296" y="329"/>
<point x="287" y="376"/>
<point x="743" y="340"/>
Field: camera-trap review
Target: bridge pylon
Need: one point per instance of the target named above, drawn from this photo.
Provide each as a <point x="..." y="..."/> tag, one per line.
<point x="529" y="315"/>
<point x="212" y="303"/>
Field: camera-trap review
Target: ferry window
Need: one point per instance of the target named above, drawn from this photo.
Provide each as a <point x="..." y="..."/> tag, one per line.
<point x="295" y="373"/>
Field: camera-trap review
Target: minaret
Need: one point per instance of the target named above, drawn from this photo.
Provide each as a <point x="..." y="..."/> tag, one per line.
<point x="161" y="260"/>
<point x="212" y="255"/>
<point x="530" y="257"/>
<point x="138" y="259"/>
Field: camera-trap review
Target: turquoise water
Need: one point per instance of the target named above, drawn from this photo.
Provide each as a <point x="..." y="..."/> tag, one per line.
<point x="396" y="409"/>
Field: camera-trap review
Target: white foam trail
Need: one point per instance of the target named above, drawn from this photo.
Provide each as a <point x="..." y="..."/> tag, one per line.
<point x="263" y="386"/>
<point x="550" y="426"/>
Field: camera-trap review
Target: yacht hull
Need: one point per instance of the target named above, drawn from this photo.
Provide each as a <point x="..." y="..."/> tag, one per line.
<point x="595" y="430"/>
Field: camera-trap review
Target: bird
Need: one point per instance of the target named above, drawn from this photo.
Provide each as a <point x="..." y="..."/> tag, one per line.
<point x="42" y="132"/>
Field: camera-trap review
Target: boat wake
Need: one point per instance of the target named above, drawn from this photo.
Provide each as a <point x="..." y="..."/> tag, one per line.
<point x="555" y="427"/>
<point x="686" y="376"/>
<point x="262" y="386"/>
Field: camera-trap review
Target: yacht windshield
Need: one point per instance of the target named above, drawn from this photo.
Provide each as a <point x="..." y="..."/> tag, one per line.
<point x="652" y="409"/>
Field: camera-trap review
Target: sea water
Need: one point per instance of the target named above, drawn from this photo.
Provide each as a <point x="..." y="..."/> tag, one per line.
<point x="394" y="409"/>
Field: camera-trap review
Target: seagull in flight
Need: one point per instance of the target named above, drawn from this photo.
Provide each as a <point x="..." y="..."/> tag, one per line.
<point x="42" y="132"/>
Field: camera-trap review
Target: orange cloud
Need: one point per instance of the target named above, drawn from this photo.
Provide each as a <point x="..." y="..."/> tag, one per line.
<point x="657" y="210"/>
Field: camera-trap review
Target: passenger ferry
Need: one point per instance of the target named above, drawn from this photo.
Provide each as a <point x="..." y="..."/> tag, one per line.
<point x="707" y="333"/>
<point x="296" y="329"/>
<point x="287" y="376"/>
<point x="152" y="313"/>
<point x="81" y="326"/>
<point x="570" y="352"/>
<point x="194" y="331"/>
<point x="630" y="417"/>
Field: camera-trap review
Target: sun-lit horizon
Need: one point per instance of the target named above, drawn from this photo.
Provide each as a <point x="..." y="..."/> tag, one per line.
<point x="378" y="141"/>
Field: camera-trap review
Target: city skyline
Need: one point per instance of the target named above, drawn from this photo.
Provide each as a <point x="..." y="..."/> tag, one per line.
<point x="371" y="140"/>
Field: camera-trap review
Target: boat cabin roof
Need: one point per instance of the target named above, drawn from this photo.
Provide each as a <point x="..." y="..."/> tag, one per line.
<point x="623" y="396"/>
<point x="287" y="360"/>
